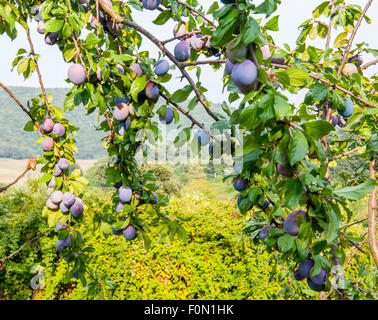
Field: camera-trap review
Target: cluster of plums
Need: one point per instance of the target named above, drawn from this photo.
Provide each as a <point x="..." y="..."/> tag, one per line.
<point x="316" y="283"/>
<point x="48" y="126"/>
<point x="292" y="225"/>
<point x="66" y="202"/>
<point x="125" y="195"/>
<point x="62" y="244"/>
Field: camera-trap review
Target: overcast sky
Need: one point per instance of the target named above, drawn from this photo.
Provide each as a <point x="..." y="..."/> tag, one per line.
<point x="54" y="69"/>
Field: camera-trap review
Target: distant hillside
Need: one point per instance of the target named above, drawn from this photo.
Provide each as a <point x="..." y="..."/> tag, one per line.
<point x="18" y="144"/>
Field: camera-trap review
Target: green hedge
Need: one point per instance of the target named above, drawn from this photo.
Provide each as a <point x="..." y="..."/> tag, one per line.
<point x="211" y="264"/>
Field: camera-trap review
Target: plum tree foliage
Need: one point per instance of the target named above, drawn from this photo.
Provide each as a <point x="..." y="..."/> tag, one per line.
<point x="283" y="171"/>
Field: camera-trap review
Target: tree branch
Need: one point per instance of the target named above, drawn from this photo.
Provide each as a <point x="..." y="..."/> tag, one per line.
<point x="38" y="73"/>
<point x="186" y="114"/>
<point x="23" y="246"/>
<point x="371" y="63"/>
<point x="354" y="32"/>
<point x="158" y="43"/>
<point x="372" y="209"/>
<point x="330" y="84"/>
<point x="31" y="165"/>
<point x="195" y="63"/>
<point x="330" y="25"/>
<point x="346" y="153"/>
<point x="21" y="106"/>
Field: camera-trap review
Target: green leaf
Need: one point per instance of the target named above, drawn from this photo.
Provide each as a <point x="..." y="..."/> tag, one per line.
<point x="272" y="24"/>
<point x="163" y="17"/>
<point x="356" y="192"/>
<point x="298" y="77"/>
<point x="137" y="86"/>
<point x="319" y="92"/>
<point x="285" y="243"/>
<point x="53" y="25"/>
<point x="318" y="128"/>
<point x="298" y="146"/>
<point x="182" y="95"/>
<point x="250" y="31"/>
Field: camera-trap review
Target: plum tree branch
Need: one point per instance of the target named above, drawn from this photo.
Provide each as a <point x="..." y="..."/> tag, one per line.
<point x="180" y="37"/>
<point x="190" y="117"/>
<point x="2" y="260"/>
<point x="196" y="63"/>
<point x="117" y="18"/>
<point x="21" y="106"/>
<point x="330" y="25"/>
<point x="346" y="153"/>
<point x="350" y="42"/>
<point x="31" y="165"/>
<point x="371" y="63"/>
<point x="38" y="73"/>
<point x="372" y="211"/>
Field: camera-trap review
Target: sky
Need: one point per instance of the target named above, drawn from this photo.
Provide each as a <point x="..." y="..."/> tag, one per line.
<point x="54" y="69"/>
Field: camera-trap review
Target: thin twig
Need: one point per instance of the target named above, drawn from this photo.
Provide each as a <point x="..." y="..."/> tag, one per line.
<point x="372" y="210"/>
<point x="38" y="73"/>
<point x="371" y="63"/>
<point x="23" y="246"/>
<point x="346" y="153"/>
<point x="350" y="42"/>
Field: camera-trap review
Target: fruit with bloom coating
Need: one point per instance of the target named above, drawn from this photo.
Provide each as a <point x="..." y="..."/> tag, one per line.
<point x="349" y="69"/>
<point x="237" y="54"/>
<point x="244" y="74"/>
<point x="47" y="126"/>
<point x="239" y="184"/>
<point x="57" y="172"/>
<point x="129" y="232"/>
<point x="136" y="68"/>
<point x="152" y="91"/>
<point x="48" y="144"/>
<point x="64" y="208"/>
<point x="118" y="100"/>
<point x="237" y="168"/>
<point x="121" y="112"/>
<point x="60" y="226"/>
<point x="293" y="222"/>
<point x="305" y="267"/>
<point x="349" y="108"/>
<point x="76" y="74"/>
<point x="125" y="194"/>
<point x="168" y="116"/>
<point x="155" y="199"/>
<point x="41" y="27"/>
<point x="162" y="67"/>
<point x="196" y="42"/>
<point x="56" y="197"/>
<point x="265" y="52"/>
<point x="51" y="205"/>
<point x="119" y="206"/>
<point x="264" y="232"/>
<point x="151" y="4"/>
<point x="51" y="184"/>
<point x="179" y="31"/>
<point x="77" y="208"/>
<point x="229" y="66"/>
<point x="51" y="38"/>
<point x="182" y="51"/>
<point x="314" y="286"/>
<point x="68" y="199"/>
<point x="298" y="276"/>
<point x="59" y="129"/>
<point x="320" y="279"/>
<point x="63" y="164"/>
<point x="117" y="232"/>
<point x="203" y="137"/>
